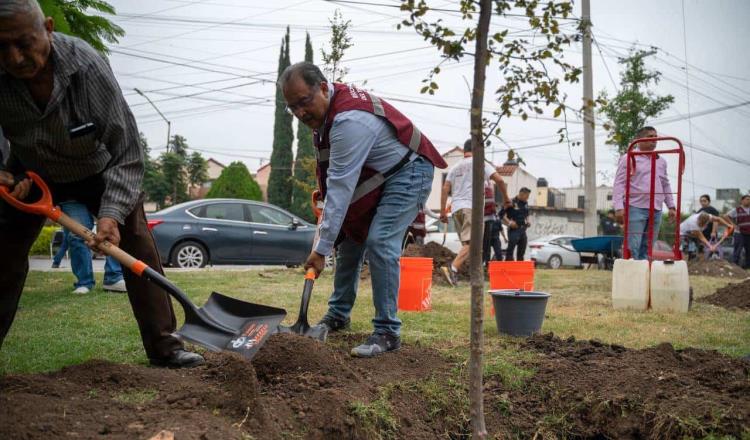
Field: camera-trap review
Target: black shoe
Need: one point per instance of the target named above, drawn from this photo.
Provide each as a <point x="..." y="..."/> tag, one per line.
<point x="335" y="324"/>
<point x="179" y="358"/>
<point x="377" y="344"/>
<point x="55" y="265"/>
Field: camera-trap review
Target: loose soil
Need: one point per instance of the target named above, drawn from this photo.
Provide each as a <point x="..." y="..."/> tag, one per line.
<point x="717" y="268"/>
<point x="587" y="389"/>
<point x="731" y="296"/>
<point x="299" y="388"/>
<point x="441" y="256"/>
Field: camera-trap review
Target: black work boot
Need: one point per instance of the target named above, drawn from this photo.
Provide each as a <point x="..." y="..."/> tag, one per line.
<point x="377" y="344"/>
<point x="179" y="358"/>
<point x="335" y="324"/>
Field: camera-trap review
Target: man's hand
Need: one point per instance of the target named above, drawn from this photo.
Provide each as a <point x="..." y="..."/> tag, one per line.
<point x="106" y="230"/>
<point x="512" y="224"/>
<point x="713" y="234"/>
<point x="508" y="203"/>
<point x="620" y="216"/>
<point x="443" y="217"/>
<point x="22" y="188"/>
<point x="672" y="215"/>
<point x="316" y="262"/>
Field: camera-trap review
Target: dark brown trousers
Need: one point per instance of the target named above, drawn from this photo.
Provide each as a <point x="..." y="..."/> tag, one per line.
<point x="151" y="305"/>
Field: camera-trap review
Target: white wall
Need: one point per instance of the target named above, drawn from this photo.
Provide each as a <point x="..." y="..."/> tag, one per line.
<point x="554" y="222"/>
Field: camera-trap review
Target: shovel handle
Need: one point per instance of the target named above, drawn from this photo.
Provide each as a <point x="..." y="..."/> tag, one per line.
<point x="44" y="207"/>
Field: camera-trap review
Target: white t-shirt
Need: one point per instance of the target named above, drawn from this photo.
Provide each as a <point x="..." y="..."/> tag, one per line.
<point x="460" y="178"/>
<point x="691" y="224"/>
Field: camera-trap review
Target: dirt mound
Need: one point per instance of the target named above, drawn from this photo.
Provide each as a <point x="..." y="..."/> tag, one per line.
<point x="441" y="256"/>
<point x="298" y="388"/>
<point x="734" y="295"/>
<point x="587" y="389"/>
<point x="717" y="268"/>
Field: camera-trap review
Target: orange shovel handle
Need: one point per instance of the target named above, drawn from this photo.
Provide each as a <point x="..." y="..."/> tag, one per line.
<point x="44" y="207"/>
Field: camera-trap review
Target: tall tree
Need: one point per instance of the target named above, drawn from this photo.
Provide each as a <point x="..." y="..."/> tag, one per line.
<point x="70" y="18"/>
<point x="340" y="42"/>
<point x="633" y="106"/>
<point x="304" y="163"/>
<point x="154" y="184"/>
<point x="526" y="87"/>
<point x="197" y="170"/>
<point x="178" y="144"/>
<point x="173" y="170"/>
<point x="235" y="182"/>
<point x="280" y="180"/>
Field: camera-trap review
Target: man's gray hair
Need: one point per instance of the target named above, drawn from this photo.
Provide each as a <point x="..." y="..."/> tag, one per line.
<point x="12" y="8"/>
<point x="309" y="72"/>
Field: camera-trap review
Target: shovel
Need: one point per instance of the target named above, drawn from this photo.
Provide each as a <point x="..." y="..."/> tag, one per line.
<point x="223" y="323"/>
<point x="302" y="326"/>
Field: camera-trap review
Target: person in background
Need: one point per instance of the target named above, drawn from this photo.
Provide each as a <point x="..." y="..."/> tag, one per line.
<point x="517" y="216"/>
<point x="740" y="217"/>
<point x="711" y="228"/>
<point x="80" y="255"/>
<point x="491" y="239"/>
<point x="640" y="201"/>
<point x="691" y="232"/>
<point x="609" y="224"/>
<point x="458" y="185"/>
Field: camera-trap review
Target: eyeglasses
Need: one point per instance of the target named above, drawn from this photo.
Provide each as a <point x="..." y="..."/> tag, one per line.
<point x="302" y="103"/>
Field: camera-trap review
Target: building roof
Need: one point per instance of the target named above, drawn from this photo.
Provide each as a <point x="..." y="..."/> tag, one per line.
<point x="507" y="170"/>
<point x="453" y="150"/>
<point x="263" y="167"/>
<point x="211" y="159"/>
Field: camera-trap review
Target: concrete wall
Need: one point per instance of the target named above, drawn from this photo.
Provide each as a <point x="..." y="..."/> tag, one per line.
<point x="550" y="221"/>
<point x="603" y="197"/>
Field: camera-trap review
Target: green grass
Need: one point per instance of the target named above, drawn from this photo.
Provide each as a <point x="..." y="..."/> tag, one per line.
<point x="376" y="417"/>
<point x="54" y="328"/>
<point x="136" y="397"/>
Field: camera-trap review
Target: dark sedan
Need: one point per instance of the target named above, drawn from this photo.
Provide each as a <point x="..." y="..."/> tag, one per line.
<point x="229" y="231"/>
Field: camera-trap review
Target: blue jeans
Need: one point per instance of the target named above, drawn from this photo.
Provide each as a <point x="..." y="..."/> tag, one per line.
<point x="57" y="259"/>
<point x="80" y="254"/>
<point x="402" y="196"/>
<point x="638" y="231"/>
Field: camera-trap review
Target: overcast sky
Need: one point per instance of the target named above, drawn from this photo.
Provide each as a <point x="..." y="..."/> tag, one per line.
<point x="228" y="51"/>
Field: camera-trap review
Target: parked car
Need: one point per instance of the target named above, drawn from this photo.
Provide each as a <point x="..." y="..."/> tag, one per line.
<point x="229" y="231"/>
<point x="555" y="251"/>
<point x="436" y="232"/>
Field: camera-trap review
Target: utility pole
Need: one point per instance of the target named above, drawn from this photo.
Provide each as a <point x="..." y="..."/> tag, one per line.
<point x="169" y="124"/>
<point x="589" y="151"/>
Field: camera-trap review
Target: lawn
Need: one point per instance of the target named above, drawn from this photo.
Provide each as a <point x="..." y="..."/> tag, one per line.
<point x="54" y="328"/>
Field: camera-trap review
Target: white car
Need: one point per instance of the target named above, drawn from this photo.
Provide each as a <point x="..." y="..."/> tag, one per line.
<point x="445" y="234"/>
<point x="555" y="251"/>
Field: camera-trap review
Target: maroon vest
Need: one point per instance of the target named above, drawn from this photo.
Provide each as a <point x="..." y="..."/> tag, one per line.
<point x="743" y="220"/>
<point x="367" y="193"/>
<point x="489" y="203"/>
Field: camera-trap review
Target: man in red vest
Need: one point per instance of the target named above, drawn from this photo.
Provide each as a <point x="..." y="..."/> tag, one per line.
<point x="374" y="171"/>
<point x="740" y="216"/>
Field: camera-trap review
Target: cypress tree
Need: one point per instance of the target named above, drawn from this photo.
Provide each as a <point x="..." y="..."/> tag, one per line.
<point x="304" y="164"/>
<point x="280" y="180"/>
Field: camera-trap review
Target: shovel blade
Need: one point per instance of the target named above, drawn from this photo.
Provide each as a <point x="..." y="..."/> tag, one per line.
<point x="317" y="332"/>
<point x="245" y="326"/>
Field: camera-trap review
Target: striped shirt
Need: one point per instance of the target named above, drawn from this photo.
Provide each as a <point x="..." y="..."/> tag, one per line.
<point x="85" y="91"/>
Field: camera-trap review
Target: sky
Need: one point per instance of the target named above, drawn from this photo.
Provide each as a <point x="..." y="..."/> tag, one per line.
<point x="210" y="66"/>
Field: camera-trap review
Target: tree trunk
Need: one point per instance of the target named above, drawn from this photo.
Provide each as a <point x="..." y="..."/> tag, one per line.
<point x="476" y="395"/>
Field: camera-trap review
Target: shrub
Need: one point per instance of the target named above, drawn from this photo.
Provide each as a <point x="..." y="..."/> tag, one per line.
<point x="41" y="245"/>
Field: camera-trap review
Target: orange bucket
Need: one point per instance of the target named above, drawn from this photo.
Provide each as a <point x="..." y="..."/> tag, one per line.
<point x="510" y="275"/>
<point x="414" y="292"/>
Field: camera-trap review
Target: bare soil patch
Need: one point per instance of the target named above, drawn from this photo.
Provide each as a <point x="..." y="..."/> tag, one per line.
<point x="716" y="268"/>
<point x="299" y="388"/>
<point x="587" y="389"/>
<point x="731" y="296"/>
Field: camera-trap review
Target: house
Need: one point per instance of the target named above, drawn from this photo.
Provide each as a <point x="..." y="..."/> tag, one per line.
<point x="574" y="197"/>
<point x="513" y="175"/>
<point x="213" y="171"/>
<point x="262" y="176"/>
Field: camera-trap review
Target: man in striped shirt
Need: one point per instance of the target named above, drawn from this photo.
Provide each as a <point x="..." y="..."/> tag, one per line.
<point x="66" y="119"/>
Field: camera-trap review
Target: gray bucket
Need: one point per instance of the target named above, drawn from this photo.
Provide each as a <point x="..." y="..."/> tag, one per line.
<point x="519" y="313"/>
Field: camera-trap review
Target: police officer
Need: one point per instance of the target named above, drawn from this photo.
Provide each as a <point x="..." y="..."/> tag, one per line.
<point x="517" y="217"/>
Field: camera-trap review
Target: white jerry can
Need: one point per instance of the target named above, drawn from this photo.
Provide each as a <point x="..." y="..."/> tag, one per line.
<point x="670" y="286"/>
<point x="630" y="284"/>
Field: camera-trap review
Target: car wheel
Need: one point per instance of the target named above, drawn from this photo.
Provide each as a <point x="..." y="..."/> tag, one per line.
<point x="189" y="255"/>
<point x="554" y="262"/>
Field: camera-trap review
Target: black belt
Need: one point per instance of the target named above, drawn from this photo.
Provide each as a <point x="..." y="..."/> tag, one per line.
<point x="404" y="160"/>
